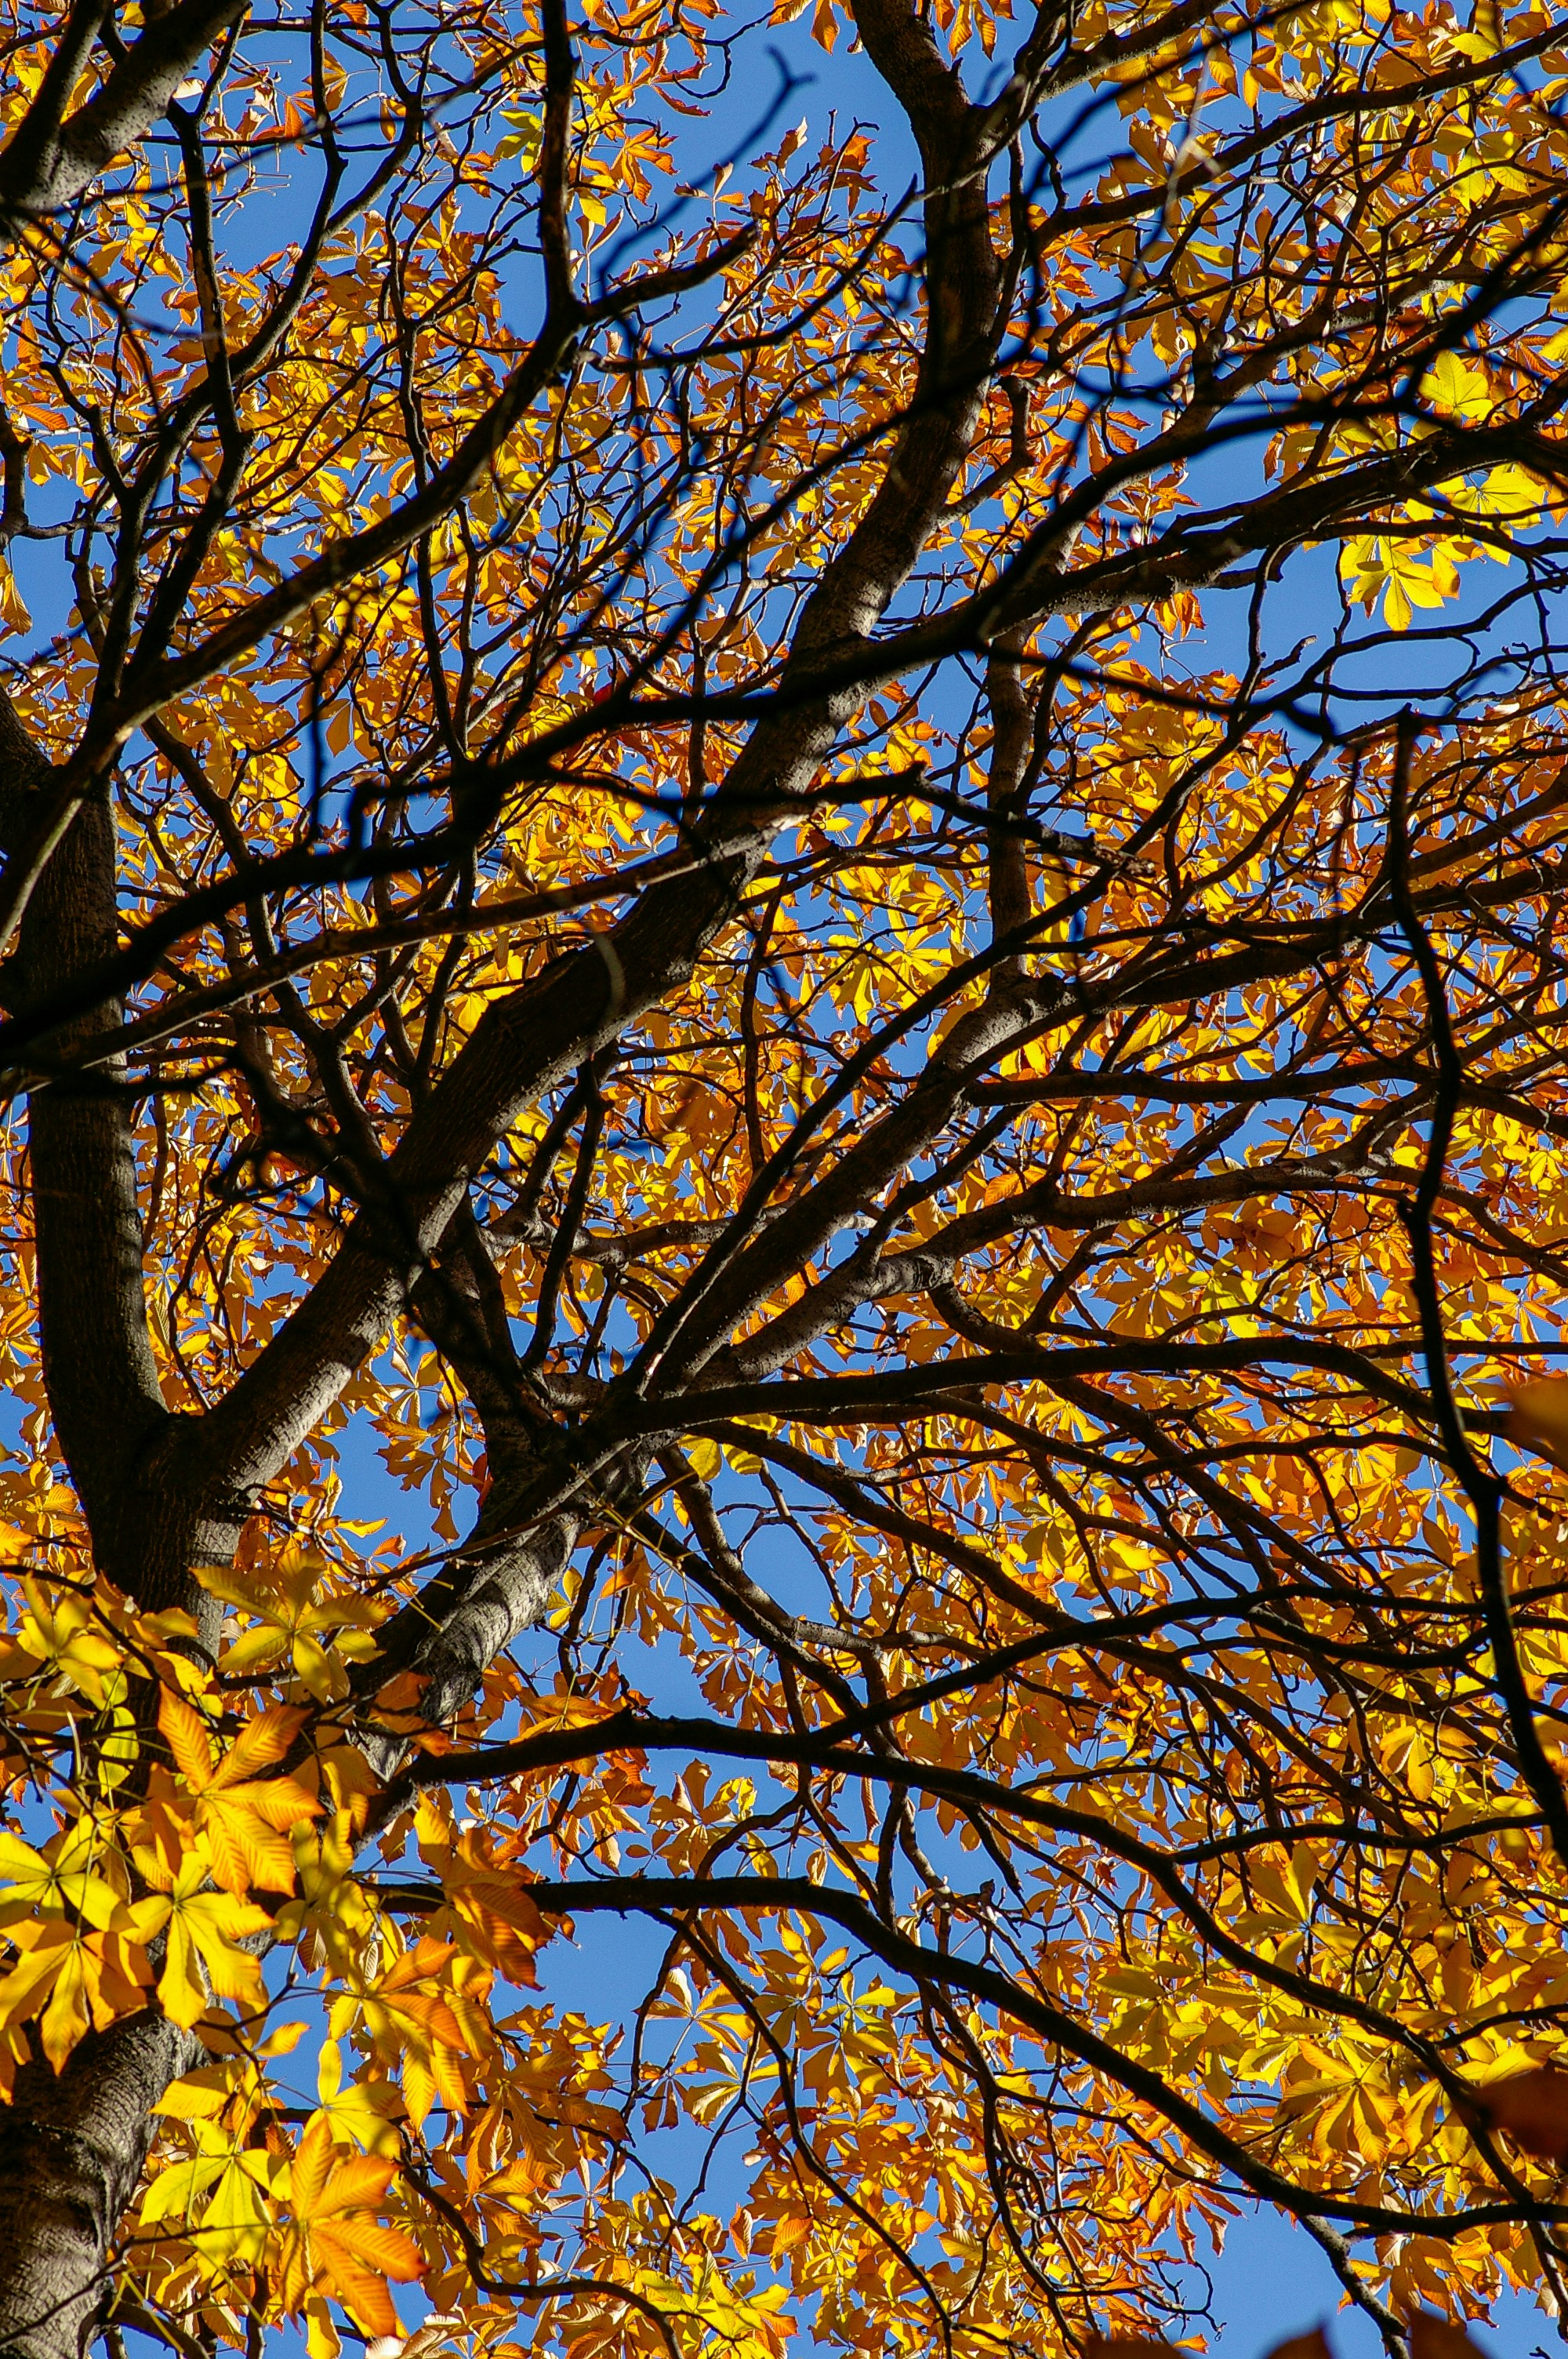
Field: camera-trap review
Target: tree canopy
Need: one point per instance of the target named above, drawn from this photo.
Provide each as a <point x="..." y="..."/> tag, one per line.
<point x="825" y="863"/>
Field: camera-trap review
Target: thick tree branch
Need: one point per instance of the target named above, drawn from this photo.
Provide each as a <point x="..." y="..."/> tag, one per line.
<point x="52" y="158"/>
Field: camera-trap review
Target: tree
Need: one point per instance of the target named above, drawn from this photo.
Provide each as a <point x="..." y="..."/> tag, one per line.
<point x="846" y="899"/>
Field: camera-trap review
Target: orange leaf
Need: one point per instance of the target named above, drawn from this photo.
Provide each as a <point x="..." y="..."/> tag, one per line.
<point x="188" y="1739"/>
<point x="260" y="1743"/>
<point x="504" y="1925"/>
<point x="244" y="1818"/>
<point x="334" y="2242"/>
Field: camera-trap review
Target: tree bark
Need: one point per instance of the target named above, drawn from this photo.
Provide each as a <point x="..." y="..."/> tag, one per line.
<point x="52" y="156"/>
<point x="72" y="2150"/>
<point x="72" y="2144"/>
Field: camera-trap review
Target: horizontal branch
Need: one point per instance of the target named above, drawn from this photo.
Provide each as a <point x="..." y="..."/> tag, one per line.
<point x="855" y="1399"/>
<point x="671" y="1898"/>
<point x="632" y="1732"/>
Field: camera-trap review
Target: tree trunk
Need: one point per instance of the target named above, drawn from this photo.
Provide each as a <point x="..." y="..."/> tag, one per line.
<point x="72" y="2143"/>
<point x="72" y="2150"/>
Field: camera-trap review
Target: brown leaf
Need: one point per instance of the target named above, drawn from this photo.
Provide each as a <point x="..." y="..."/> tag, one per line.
<point x="1438" y="2338"/>
<point x="1313" y="2344"/>
<point x="1537" y="1418"/>
<point x="1532" y="2107"/>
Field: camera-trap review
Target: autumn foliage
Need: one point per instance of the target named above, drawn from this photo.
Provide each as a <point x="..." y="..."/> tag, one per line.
<point x="784" y="1028"/>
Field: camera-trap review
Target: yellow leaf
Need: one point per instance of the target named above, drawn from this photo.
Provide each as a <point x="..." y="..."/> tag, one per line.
<point x="201" y="1929"/>
<point x="1457" y="388"/>
<point x="61" y="1876"/>
<point x="706" y="1457"/>
<point x="1537" y="1418"/>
